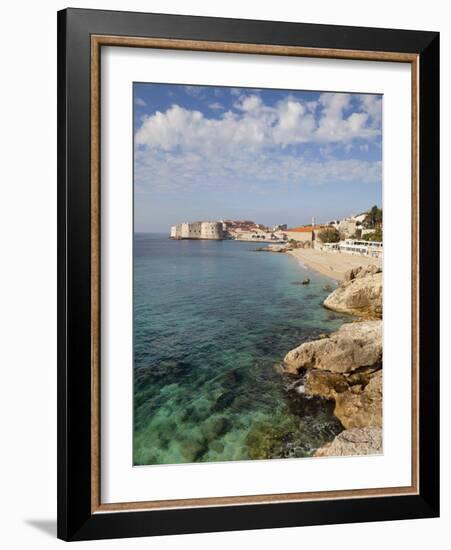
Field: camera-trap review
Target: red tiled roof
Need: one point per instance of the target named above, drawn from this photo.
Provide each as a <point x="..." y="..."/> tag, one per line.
<point x="305" y="229"/>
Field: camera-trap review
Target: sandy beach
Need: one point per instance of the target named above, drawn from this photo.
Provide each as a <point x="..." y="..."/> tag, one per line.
<point x="332" y="264"/>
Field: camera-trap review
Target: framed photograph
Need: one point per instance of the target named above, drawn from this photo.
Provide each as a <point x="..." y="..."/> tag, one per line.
<point x="248" y="274"/>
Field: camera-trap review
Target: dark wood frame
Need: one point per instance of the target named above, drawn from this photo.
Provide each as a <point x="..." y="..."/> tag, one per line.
<point x="81" y="34"/>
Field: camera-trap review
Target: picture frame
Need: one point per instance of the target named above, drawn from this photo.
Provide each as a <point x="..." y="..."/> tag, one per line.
<point x="81" y="36"/>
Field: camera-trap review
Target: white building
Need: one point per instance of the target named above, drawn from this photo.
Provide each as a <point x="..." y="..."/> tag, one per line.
<point x="354" y="246"/>
<point x="280" y="227"/>
<point x="197" y="230"/>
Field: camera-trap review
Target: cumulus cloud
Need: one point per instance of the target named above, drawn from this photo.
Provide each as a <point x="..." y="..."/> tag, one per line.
<point x="140" y="102"/>
<point x="249" y="103"/>
<point x="335" y="125"/>
<point x="256" y="142"/>
<point x="289" y="121"/>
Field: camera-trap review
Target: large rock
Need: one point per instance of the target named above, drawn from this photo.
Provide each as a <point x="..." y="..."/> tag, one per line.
<point x="321" y="383"/>
<point x="357" y="408"/>
<point x="357" y="396"/>
<point x="360" y="293"/>
<point x="353" y="346"/>
<point x="360" y="272"/>
<point x="356" y="441"/>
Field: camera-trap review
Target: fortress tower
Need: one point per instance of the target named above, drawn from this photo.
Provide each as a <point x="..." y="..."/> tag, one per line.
<point x="198" y="230"/>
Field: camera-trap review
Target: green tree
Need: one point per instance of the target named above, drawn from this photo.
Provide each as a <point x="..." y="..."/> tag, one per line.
<point x="373" y="218"/>
<point x="376" y="235"/>
<point x="329" y="235"/>
<point x="357" y="235"/>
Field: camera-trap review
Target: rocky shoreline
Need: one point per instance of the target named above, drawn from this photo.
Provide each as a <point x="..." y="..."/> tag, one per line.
<point x="345" y="367"/>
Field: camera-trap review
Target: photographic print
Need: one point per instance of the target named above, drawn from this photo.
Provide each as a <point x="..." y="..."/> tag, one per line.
<point x="227" y="299"/>
<point x="257" y="286"/>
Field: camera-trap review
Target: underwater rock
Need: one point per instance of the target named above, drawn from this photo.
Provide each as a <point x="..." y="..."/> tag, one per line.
<point x="231" y="378"/>
<point x="217" y="447"/>
<point x="223" y="401"/>
<point x="215" y="426"/>
<point x="192" y="449"/>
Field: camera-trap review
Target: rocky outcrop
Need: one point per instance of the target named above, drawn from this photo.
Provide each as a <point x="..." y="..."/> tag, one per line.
<point x="359" y="294"/>
<point x="272" y="248"/>
<point x="353" y="346"/>
<point x="325" y="384"/>
<point x="356" y="441"/>
<point x="357" y="396"/>
<point x="345" y="367"/>
<point x="330" y="384"/>
<point x="361" y="406"/>
<point x="360" y="272"/>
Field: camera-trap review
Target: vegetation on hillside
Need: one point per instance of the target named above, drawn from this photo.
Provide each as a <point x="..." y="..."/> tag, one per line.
<point x="376" y="235"/>
<point x="373" y="219"/>
<point x="329" y="235"/>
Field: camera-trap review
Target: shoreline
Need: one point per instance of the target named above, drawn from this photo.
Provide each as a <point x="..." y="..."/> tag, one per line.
<point x="345" y="367"/>
<point x="331" y="264"/>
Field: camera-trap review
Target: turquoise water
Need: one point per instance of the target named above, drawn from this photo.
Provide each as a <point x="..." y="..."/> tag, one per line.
<point x="211" y="321"/>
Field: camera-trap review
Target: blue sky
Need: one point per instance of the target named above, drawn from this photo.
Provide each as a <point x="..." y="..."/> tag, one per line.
<point x="274" y="156"/>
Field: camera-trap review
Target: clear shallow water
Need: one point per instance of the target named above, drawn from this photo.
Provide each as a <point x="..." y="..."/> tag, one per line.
<point x="211" y="319"/>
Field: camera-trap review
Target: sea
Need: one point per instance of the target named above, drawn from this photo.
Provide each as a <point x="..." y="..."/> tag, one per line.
<point x="212" y="323"/>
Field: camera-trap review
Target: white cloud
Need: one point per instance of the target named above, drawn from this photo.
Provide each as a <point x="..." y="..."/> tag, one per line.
<point x="336" y="126"/>
<point x="140" y="102"/>
<point x="216" y="106"/>
<point x="311" y="106"/>
<point x="288" y="122"/>
<point x="191" y="130"/>
<point x="259" y="143"/>
<point x="294" y="123"/>
<point x="248" y="103"/>
<point x="372" y="104"/>
<point x="172" y="171"/>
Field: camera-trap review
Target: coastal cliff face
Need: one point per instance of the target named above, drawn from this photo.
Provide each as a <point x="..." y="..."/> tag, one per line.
<point x="346" y="366"/>
<point x="359" y="294"/>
